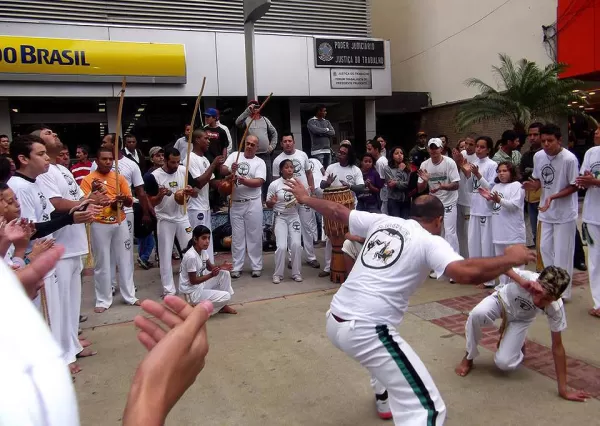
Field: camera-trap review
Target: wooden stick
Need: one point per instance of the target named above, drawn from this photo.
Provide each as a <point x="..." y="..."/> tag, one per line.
<point x="89" y="261"/>
<point x="189" y="147"/>
<point x="243" y="139"/>
<point x="44" y="305"/>
<point x="116" y="144"/>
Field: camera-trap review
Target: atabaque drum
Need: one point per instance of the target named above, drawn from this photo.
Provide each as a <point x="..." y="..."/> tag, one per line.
<point x="336" y="231"/>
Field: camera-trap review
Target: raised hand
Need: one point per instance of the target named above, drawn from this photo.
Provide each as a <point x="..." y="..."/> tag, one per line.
<point x="298" y="190"/>
<point x="40" y="246"/>
<point x="587" y="180"/>
<point x="86" y="216"/>
<point x="485" y="193"/>
<point x="520" y="254"/>
<point x="218" y="161"/>
<point x="16" y="230"/>
<point x="475" y="170"/>
<point x="423" y="174"/>
<point x="234" y="167"/>
<point x="531" y="185"/>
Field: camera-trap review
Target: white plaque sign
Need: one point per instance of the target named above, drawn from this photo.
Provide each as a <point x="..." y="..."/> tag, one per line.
<point x="342" y="78"/>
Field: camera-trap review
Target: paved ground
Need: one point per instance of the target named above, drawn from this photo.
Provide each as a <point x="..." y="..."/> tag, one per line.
<point x="272" y="364"/>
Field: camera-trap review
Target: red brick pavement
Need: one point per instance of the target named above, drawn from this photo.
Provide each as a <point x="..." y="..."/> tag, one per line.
<point x="580" y="375"/>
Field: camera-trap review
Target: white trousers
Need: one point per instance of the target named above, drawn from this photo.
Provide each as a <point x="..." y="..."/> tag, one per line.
<point x="462" y="229"/>
<point x="113" y="261"/>
<point x="499" y="251"/>
<point x="217" y="289"/>
<point x="53" y="300"/>
<point x="112" y="239"/>
<point x="287" y="231"/>
<point x="328" y="255"/>
<point x="352" y="248"/>
<point x="68" y="276"/>
<point x="166" y="232"/>
<point x="247" y="234"/>
<point x="509" y="355"/>
<point x="480" y="239"/>
<point x="394" y="366"/>
<point x="450" y="227"/>
<point x="557" y="246"/>
<point x="202" y="217"/>
<point x="308" y="220"/>
<point x="594" y="262"/>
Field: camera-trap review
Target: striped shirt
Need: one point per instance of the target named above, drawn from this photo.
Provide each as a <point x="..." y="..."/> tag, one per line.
<point x="81" y="170"/>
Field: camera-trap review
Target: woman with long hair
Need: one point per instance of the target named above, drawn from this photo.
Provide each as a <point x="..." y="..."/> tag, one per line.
<point x="397" y="175"/>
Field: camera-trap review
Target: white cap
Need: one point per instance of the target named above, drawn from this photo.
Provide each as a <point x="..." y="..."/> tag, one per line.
<point x="435" y="141"/>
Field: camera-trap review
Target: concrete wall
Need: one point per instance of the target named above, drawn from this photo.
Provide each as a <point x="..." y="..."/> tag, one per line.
<point x="415" y="26"/>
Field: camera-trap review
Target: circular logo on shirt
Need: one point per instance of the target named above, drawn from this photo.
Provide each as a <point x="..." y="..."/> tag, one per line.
<point x="548" y="175"/>
<point x="350" y="179"/>
<point x="382" y="249"/>
<point x="200" y="216"/>
<point x="127" y="244"/>
<point x="297" y="167"/>
<point x="243" y="169"/>
<point x="288" y="196"/>
<point x="595" y="170"/>
<point x="296" y="226"/>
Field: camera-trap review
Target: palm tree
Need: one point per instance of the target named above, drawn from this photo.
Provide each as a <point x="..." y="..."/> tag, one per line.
<point x="526" y="92"/>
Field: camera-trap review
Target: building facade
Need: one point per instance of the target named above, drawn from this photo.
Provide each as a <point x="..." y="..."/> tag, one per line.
<point x="63" y="62"/>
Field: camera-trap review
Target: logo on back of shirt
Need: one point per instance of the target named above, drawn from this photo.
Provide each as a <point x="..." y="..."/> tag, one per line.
<point x="243" y="169"/>
<point x="548" y="174"/>
<point x="297" y="167"/>
<point x="382" y="249"/>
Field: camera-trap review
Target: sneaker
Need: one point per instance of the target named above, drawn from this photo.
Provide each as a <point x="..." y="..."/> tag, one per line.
<point x="256" y="274"/>
<point x="383" y="408"/>
<point x="297" y="278"/>
<point x="432" y="275"/>
<point x="83" y="318"/>
<point x="276" y="279"/>
<point x="314" y="264"/>
<point x="324" y="274"/>
<point x="452" y="281"/>
<point x="114" y="290"/>
<point x="236" y="274"/>
<point x="143" y="264"/>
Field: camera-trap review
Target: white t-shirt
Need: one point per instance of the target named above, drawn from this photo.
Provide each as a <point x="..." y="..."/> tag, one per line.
<point x="555" y="174"/>
<point x="181" y="145"/>
<point x="464" y="186"/>
<point x="508" y="222"/>
<point x="442" y="173"/>
<point x="58" y="182"/>
<point x="132" y="174"/>
<point x="395" y="259"/>
<point x="520" y="306"/>
<point x="380" y="166"/>
<point x="192" y="262"/>
<point x="198" y="166"/>
<point x="350" y="174"/>
<point x="253" y="168"/>
<point x="301" y="165"/>
<point x="168" y="209"/>
<point x="315" y="167"/>
<point x="591" y="203"/>
<point x="278" y="188"/>
<point x="37" y="387"/>
<point x="487" y="168"/>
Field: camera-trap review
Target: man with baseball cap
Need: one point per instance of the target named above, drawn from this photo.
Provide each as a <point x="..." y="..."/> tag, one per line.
<point x="419" y="152"/>
<point x="216" y="135"/>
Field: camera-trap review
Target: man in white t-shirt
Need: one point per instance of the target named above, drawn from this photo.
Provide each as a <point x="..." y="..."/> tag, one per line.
<point x="302" y="172"/>
<point x="61" y="189"/>
<point x="440" y="174"/>
<point x="181" y="144"/>
<point x="375" y="149"/>
<point x="518" y="303"/>
<point x="318" y="172"/>
<point x="395" y="259"/>
<point x="555" y="170"/>
<point x="162" y="186"/>
<point x="203" y="171"/>
<point x="590" y="179"/>
<point x="463" y="214"/>
<point x="246" y="213"/>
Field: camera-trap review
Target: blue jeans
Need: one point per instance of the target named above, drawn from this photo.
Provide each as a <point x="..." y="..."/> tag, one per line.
<point x="532" y="210"/>
<point x="325" y="159"/>
<point x="145" y="247"/>
<point x="399" y="208"/>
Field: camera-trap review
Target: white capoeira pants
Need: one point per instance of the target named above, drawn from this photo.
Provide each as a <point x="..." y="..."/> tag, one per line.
<point x="499" y="251"/>
<point x="394" y="366"/>
<point x="202" y="217"/>
<point x="247" y="233"/>
<point x="113" y="261"/>
<point x="450" y="226"/>
<point x="107" y="240"/>
<point x="462" y="229"/>
<point x="557" y="246"/>
<point x="217" y="289"/>
<point x="287" y="232"/>
<point x="308" y="220"/>
<point x="509" y="355"/>
<point x="328" y="255"/>
<point x="166" y="232"/>
<point x="68" y="276"/>
<point x="480" y="239"/>
<point x="593" y="240"/>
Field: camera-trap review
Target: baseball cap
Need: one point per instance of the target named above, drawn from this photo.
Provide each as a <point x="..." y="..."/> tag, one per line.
<point x="253" y="102"/>
<point x="155" y="150"/>
<point x="211" y="112"/>
<point x="421" y="133"/>
<point x="435" y="141"/>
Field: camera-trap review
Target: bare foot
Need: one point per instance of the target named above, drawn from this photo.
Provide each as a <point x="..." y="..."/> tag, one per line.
<point x="228" y="310"/>
<point x="594" y="312"/>
<point x="86" y="352"/>
<point x="99" y="310"/>
<point x="464" y="367"/>
<point x="74" y="368"/>
<point x="84" y="343"/>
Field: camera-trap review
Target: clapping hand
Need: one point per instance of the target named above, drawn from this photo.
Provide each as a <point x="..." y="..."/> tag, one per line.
<point x="485" y="193"/>
<point x="423" y="174"/>
<point x="586" y="180"/>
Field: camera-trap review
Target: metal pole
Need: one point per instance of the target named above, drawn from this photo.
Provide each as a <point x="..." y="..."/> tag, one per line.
<point x="250" y="79"/>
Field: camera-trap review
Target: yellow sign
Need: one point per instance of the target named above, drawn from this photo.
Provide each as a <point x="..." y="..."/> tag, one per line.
<point x="53" y="59"/>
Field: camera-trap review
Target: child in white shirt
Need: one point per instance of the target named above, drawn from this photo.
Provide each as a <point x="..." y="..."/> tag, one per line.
<point x="199" y="279"/>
